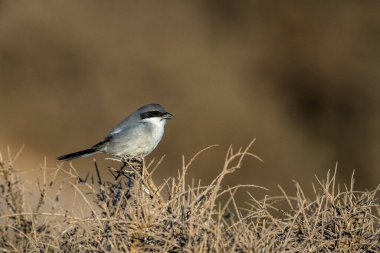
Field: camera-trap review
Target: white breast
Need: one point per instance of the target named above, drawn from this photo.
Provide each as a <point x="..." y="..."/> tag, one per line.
<point x="157" y="129"/>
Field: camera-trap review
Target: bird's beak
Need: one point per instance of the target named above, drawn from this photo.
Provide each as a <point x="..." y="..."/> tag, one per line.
<point x="167" y="115"/>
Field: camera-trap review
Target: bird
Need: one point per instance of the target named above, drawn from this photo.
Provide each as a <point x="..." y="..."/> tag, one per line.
<point x="135" y="137"/>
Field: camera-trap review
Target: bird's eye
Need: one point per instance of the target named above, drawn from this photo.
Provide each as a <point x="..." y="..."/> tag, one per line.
<point x="150" y="114"/>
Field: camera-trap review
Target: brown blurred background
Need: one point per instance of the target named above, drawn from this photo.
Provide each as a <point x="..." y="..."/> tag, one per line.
<point x="300" y="76"/>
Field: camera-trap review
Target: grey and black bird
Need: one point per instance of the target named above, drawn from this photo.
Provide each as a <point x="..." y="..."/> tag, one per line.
<point x="135" y="137"/>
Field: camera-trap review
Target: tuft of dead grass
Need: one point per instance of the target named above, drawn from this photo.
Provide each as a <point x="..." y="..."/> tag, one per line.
<point x="130" y="213"/>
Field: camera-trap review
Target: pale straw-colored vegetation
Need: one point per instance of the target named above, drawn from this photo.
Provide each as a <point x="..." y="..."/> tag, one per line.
<point x="130" y="213"/>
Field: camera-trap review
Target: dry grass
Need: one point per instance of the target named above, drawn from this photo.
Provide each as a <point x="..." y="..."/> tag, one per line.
<point x="131" y="214"/>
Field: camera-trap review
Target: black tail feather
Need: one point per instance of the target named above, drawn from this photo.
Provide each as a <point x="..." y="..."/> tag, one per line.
<point x="83" y="153"/>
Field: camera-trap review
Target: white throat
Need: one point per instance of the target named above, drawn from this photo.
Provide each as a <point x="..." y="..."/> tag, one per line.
<point x="159" y="122"/>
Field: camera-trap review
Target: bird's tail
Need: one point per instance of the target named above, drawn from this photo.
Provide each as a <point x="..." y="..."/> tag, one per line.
<point x="83" y="153"/>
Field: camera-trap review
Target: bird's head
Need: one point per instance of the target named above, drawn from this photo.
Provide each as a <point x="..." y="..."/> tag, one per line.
<point x="154" y="113"/>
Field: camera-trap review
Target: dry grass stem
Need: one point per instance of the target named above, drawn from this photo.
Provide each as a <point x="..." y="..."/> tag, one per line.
<point x="130" y="213"/>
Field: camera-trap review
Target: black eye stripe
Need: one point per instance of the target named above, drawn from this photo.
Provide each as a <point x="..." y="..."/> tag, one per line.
<point x="151" y="114"/>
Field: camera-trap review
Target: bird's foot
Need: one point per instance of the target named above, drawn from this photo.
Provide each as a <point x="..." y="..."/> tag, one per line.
<point x="130" y="165"/>
<point x="131" y="159"/>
